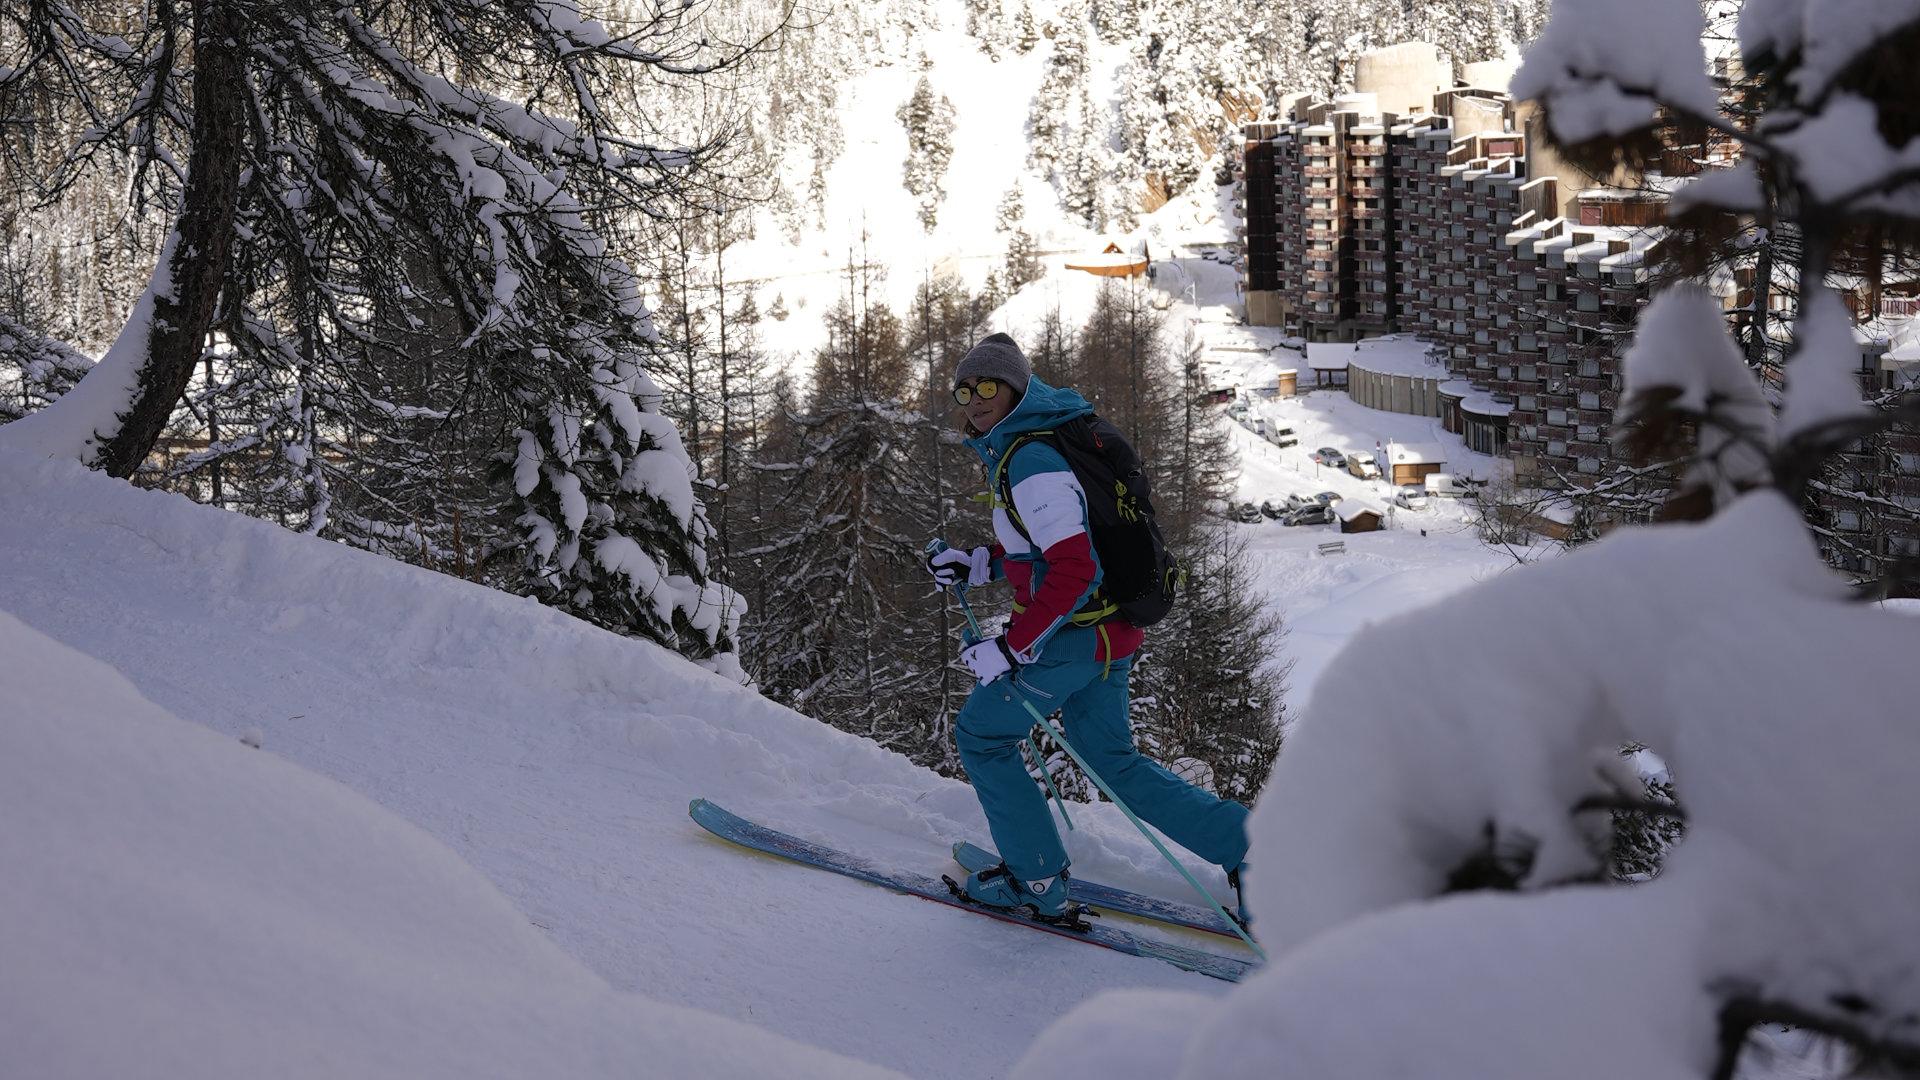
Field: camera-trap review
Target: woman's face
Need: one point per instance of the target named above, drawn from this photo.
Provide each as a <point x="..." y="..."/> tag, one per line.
<point x="984" y="412"/>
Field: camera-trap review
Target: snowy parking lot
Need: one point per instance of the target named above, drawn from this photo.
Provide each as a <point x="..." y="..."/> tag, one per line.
<point x="1418" y="558"/>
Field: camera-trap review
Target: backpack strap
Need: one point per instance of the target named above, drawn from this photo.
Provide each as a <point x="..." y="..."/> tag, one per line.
<point x="1001" y="493"/>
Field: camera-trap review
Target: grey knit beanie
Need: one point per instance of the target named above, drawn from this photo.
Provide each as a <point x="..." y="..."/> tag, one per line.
<point x="996" y="357"/>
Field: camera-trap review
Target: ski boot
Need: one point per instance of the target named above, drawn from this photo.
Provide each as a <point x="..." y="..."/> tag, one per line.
<point x="1044" y="900"/>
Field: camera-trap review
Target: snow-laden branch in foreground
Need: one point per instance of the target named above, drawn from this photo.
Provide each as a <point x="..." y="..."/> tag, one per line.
<point x="1730" y="649"/>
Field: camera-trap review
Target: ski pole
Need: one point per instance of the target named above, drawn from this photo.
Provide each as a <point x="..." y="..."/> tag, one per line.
<point x="934" y="547"/>
<point x="1131" y="816"/>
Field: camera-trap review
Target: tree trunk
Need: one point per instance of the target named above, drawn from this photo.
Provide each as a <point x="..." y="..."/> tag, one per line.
<point x="183" y="315"/>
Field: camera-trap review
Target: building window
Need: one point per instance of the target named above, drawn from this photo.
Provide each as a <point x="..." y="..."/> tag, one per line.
<point x="1556" y="448"/>
<point x="1587" y="301"/>
<point x="1589" y="399"/>
<point x="1588" y="465"/>
<point x="1557" y="416"/>
<point x="1529" y="373"/>
<point x="1527" y="403"/>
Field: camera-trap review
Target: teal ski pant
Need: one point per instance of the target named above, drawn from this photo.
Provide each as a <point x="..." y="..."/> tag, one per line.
<point x="1092" y="700"/>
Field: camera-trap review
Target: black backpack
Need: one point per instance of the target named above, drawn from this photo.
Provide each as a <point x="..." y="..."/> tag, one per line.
<point x="1138" y="574"/>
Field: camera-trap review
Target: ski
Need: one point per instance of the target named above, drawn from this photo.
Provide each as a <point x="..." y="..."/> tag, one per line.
<point x="731" y="827"/>
<point x="974" y="859"/>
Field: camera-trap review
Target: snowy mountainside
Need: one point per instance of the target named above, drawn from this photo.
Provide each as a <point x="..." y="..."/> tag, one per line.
<point x="870" y="217"/>
<point x="558" y="759"/>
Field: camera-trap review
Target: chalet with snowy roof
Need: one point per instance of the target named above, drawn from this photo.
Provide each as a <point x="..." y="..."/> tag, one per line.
<point x="1359" y="515"/>
<point x="1112" y="261"/>
<point x="1412" y="463"/>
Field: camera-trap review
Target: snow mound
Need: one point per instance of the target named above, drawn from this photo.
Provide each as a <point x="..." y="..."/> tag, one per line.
<point x="1730" y="649"/>
<point x="178" y="904"/>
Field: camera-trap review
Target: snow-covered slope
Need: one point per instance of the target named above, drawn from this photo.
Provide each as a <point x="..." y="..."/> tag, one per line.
<point x="177" y="904"/>
<point x="555" y="758"/>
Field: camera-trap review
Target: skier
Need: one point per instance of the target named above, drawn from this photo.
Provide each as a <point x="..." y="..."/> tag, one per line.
<point x="1062" y="650"/>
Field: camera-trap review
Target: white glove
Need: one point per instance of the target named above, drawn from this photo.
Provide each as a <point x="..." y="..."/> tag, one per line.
<point x="989" y="659"/>
<point x="949" y="566"/>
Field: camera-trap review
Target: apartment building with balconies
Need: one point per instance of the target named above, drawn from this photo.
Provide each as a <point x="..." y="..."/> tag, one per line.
<point x="1459" y="223"/>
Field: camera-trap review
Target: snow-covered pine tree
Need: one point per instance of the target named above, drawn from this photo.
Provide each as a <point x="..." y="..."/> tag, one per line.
<point x="1088" y="156"/>
<point x="1023" y="259"/>
<point x="322" y="173"/>
<point x="942" y="325"/>
<point x="1862" y="523"/>
<point x="1026" y="34"/>
<point x="929" y="122"/>
<point x="1206" y="686"/>
<point x="1199" y="454"/>
<point x="844" y="634"/>
<point x="34" y="369"/>
<point x="616" y="536"/>
<point x="986" y="24"/>
<point x="1054" y="349"/>
<point x="1124" y="368"/>
<point x="737" y="369"/>
<point x="1048" y="130"/>
<point x="74" y="253"/>
<point x="1115" y="21"/>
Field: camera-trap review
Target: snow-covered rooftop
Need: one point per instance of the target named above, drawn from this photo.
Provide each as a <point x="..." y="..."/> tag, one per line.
<point x="1329" y="355"/>
<point x="1483" y="404"/>
<point x="1418" y="454"/>
<point x="1348" y="509"/>
<point x="1396" y="354"/>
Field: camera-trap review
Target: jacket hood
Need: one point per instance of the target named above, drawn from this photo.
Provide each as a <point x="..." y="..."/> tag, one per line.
<point x="1040" y="408"/>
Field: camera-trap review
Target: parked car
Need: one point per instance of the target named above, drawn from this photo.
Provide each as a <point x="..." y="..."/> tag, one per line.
<point x="1447" y="485"/>
<point x="1260" y="426"/>
<point x="1276" y="507"/>
<point x="1312" y="514"/>
<point x="1247" y="513"/>
<point x="1328" y="498"/>
<point x="1283" y="441"/>
<point x="1361" y="464"/>
<point x="1410" y="496"/>
<point x="1327" y="455"/>
<point x="1297" y="502"/>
